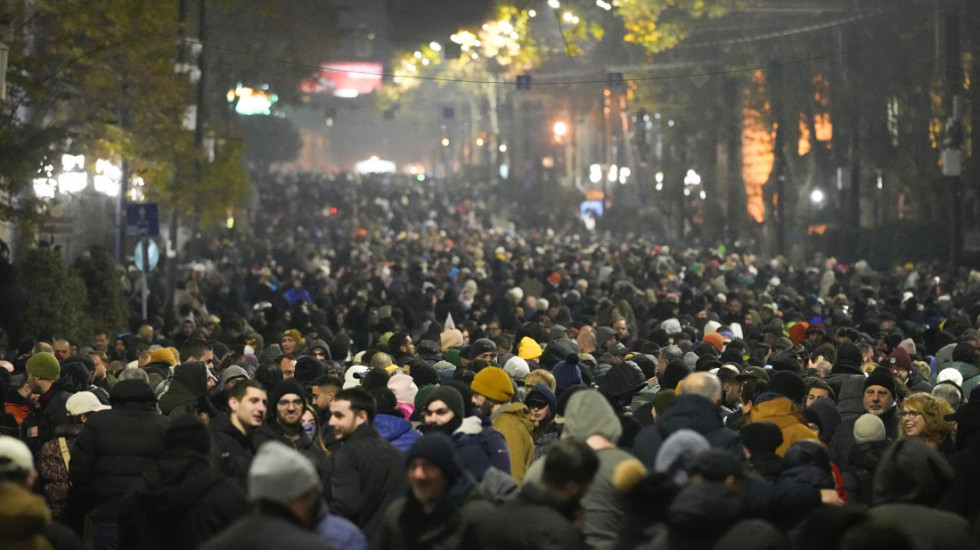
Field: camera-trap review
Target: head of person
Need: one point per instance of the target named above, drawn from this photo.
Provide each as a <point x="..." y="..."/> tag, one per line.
<point x="542" y="403"/>
<point x="401" y="343"/>
<point x="491" y="387"/>
<point x="900" y="364"/>
<point x="324" y="389"/>
<point x="879" y="392"/>
<point x="62" y="349"/>
<point x="247" y="402"/>
<point x="16" y="462"/>
<point x="287" y="401"/>
<point x="817" y="388"/>
<point x="705" y="384"/>
<point x="924" y="416"/>
<point x="432" y="468"/>
<point x="351" y="409"/>
<point x="196" y="349"/>
<point x="283" y="476"/>
<point x="291" y="341"/>
<point x="43" y="369"/>
<point x="443" y="410"/>
<point x="309" y="422"/>
<point x="569" y="468"/>
<point x="100" y="341"/>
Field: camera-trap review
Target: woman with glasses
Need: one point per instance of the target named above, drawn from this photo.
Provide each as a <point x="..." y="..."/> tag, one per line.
<point x="924" y="416"/>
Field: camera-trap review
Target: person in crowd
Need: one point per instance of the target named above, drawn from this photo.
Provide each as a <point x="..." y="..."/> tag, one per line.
<point x="284" y="423"/>
<point x="924" y="416"/>
<point x="492" y="390"/>
<point x="233" y="433"/>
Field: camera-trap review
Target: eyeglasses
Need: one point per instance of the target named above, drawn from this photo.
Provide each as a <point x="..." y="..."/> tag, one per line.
<point x="288" y="403"/>
<point x="437" y="412"/>
<point x="910" y="414"/>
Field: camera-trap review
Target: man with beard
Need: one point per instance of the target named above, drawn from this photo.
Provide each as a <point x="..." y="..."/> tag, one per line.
<point x="284" y="423"/>
<point x="477" y="447"/>
<point x="492" y="390"/>
<point x="233" y="443"/>
<point x="368" y="471"/>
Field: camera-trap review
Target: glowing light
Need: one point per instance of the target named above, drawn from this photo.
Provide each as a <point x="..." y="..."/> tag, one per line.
<point x="613" y="173"/>
<point x="375" y="165"/>
<point x="532" y="13"/>
<point x="659" y="177"/>
<point x="554" y="4"/>
<point x="692" y="178"/>
<point x="108" y="177"/>
<point x="502" y="148"/>
<point x="435" y="46"/>
<point x="230" y="222"/>
<point x="445" y="142"/>
<point x="560" y="129"/>
<point x="817" y="196"/>
<point x="479" y="142"/>
<point x="703" y="195"/>
<point x="595" y="173"/>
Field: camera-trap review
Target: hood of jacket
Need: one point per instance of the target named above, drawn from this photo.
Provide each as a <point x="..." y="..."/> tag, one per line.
<point x="177" y="480"/>
<point x="391" y="427"/>
<point x="911" y="472"/>
<point x="132" y="394"/>
<point x="692" y="412"/>
<point x="589" y="413"/>
<point x="192" y="375"/>
<point x="518" y="411"/>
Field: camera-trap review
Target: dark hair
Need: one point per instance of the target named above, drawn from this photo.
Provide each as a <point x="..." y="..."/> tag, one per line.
<point x="396" y="341"/>
<point x="268" y="375"/>
<point x="360" y="400"/>
<point x="751" y="388"/>
<point x="193" y="347"/>
<point x="328" y="381"/>
<point x="241" y="388"/>
<point x="569" y="460"/>
<point x="814" y="382"/>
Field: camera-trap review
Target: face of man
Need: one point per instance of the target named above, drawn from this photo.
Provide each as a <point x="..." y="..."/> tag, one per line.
<point x="409" y="346"/>
<point x="288" y="368"/>
<point x="438" y="413"/>
<point x="62" y="349"/>
<point x="289" y="410"/>
<point x="814" y="394"/>
<point x="622" y="330"/>
<point x="100" y="367"/>
<point x="428" y="482"/>
<point x="899" y="372"/>
<point x="343" y="420"/>
<point x="250" y="411"/>
<point x="322" y="397"/>
<point x="484" y="404"/>
<point x="877" y="400"/>
<point x="288" y="344"/>
<point x="100" y="342"/>
<point x="493" y="330"/>
<point x="319" y="353"/>
<point x="34" y="383"/>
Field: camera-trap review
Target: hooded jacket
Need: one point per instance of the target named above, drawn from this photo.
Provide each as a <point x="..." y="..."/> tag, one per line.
<point x="780" y="411"/>
<point x="514" y="421"/>
<point x="190" y="382"/>
<point x="396" y="429"/>
<point x="604" y="506"/>
<point x="693" y="412"/>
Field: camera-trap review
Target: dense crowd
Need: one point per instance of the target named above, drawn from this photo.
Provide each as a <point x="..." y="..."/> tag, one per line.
<point x="370" y="364"/>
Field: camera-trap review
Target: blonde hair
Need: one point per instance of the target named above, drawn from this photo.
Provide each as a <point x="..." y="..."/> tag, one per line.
<point x="934" y="411"/>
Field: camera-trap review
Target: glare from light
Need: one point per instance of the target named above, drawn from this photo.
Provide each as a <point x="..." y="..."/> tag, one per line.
<point x="604" y="5"/>
<point x="72" y="163"/>
<point x="548" y="162"/>
<point x="445" y="142"/>
<point x="692" y="178"/>
<point x="107" y="178"/>
<point x="595" y="173"/>
<point x="554" y="4"/>
<point x="624" y="175"/>
<point x="659" y="177"/>
<point x="417" y="54"/>
<point x="45" y="188"/>
<point x="817" y="196"/>
<point x="703" y="195"/>
<point x="567" y="17"/>
<point x="660" y="186"/>
<point x="479" y="142"/>
<point x="230" y="222"/>
<point x="687" y="192"/>
<point x="435" y="46"/>
<point x="613" y="173"/>
<point x="502" y="148"/>
<point x="560" y="129"/>
<point x="504" y="171"/>
<point x="72" y="182"/>
<point x="670" y="123"/>
<point x="532" y="13"/>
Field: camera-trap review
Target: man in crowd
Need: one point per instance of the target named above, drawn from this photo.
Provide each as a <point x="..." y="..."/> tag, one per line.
<point x="492" y="390"/>
<point x="233" y="433"/>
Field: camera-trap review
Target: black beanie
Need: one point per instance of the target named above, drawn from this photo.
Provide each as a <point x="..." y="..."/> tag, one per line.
<point x="788" y="385"/>
<point x="761" y="437"/>
<point x="308" y="369"/>
<point x="451" y="397"/>
<point x="673" y="374"/>
<point x="964" y="353"/>
<point x="424" y="374"/>
<point x="190" y="433"/>
<point x="881" y="377"/>
<point x="437" y="448"/>
<point x="285" y="387"/>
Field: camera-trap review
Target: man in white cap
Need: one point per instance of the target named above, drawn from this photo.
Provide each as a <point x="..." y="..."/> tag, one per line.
<point x="285" y="488"/>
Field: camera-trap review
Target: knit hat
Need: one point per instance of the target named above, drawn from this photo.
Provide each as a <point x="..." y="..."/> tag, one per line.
<point x="296" y="336"/>
<point x="481" y="346"/>
<point x="232" y="372"/>
<point x="422" y="396"/>
<point x="373" y="378"/>
<point x="279" y="474"/>
<point x="827" y="415"/>
<point x="908" y="345"/>
<point x="451" y="338"/>
<point x="673" y="374"/>
<point x="868" y="427"/>
<point x="715" y="339"/>
<point x="452" y="356"/>
<point x="964" y="353"/>
<point x="308" y="369"/>
<point x="761" y="437"/>
<point x="758" y="373"/>
<point x="785" y="361"/>
<point x="404" y="388"/>
<point x="517" y="368"/>
<point x="881" y="377"/>
<point x="622" y="379"/>
<point x="494" y="384"/>
<point x="163" y="355"/>
<point x="788" y="385"/>
<point x="437" y="448"/>
<point x="44" y="366"/>
<point x="567" y="373"/>
<point x="448" y="395"/>
<point x="15" y="456"/>
<point x="677" y="454"/>
<point x="900" y="358"/>
<point x="541" y="393"/>
<point x="188" y="432"/>
<point x="424" y="374"/>
<point x="285" y="387"/>
<point x="528" y="349"/>
<point x="84" y="402"/>
<point x="952" y="375"/>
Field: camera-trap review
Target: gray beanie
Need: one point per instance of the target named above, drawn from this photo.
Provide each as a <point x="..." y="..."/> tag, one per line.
<point x="868" y="427"/>
<point x="279" y="474"/>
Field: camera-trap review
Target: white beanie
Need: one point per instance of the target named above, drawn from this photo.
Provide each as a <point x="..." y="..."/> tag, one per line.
<point x="868" y="427"/>
<point x="517" y="368"/>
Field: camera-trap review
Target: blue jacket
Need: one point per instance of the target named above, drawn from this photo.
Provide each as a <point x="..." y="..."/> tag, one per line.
<point x="396" y="430"/>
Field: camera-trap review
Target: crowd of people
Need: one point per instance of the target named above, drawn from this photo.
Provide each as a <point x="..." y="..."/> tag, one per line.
<point x="377" y="366"/>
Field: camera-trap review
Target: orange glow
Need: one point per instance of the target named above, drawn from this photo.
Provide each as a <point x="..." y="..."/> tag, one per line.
<point x="804" y="146"/>
<point x="824" y="129"/>
<point x="817" y="229"/>
<point x="757" y="146"/>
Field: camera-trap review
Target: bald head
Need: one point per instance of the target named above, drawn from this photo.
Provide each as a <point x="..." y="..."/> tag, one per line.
<point x="704" y="384"/>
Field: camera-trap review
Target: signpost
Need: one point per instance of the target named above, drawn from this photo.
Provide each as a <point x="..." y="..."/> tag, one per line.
<point x="143" y="221"/>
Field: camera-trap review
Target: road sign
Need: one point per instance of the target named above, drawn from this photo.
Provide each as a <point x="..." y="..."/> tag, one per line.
<point x="142" y="219"/>
<point x="152" y="252"/>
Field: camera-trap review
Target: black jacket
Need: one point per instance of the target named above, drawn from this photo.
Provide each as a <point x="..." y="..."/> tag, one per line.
<point x="180" y="503"/>
<point x="190" y="382"/>
<point x="270" y="526"/>
<point x="305" y="445"/>
<point x="532" y="521"/>
<point x="694" y="413"/>
<point x="50" y="414"/>
<point x="115" y="448"/>
<point x="452" y="525"/>
<point x="368" y="475"/>
<point x="233" y="450"/>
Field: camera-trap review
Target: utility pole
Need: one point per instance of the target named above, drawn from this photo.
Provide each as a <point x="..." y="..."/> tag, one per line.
<point x="952" y="155"/>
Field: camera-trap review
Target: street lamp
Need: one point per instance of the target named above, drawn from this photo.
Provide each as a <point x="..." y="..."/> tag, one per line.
<point x="817" y="196"/>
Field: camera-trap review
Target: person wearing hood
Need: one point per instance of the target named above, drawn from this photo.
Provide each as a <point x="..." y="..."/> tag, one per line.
<point x="391" y="422"/>
<point x="492" y="390"/>
<point x="696" y="408"/>
<point x="111" y="454"/>
<point x="182" y="501"/>
<point x="909" y="483"/>
<point x="543" y="405"/>
<point x="191" y="381"/>
<point x="284" y="423"/>
<point x="781" y="404"/>
<point x="478" y="447"/>
<point x="591" y="419"/>
<point x="442" y="509"/>
<point x="965" y="362"/>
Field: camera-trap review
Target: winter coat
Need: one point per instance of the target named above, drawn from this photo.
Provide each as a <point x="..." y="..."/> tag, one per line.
<point x="971" y="375"/>
<point x="693" y="412"/>
<point x="843" y="439"/>
<point x="963" y="497"/>
<point x="859" y="475"/>
<point x="190" y="383"/>
<point x="51" y="412"/>
<point x="233" y="451"/>
<point x="368" y="474"/>
<point x="397" y="430"/>
<point x="452" y="525"/>
<point x="181" y="502"/>
<point x="271" y="430"/>
<point x="479" y="447"/>
<point x="781" y="412"/>
<point x="270" y="526"/>
<point x="52" y="470"/>
<point x="514" y="421"/>
<point x="115" y="448"/>
<point x="532" y="521"/>
<point x="545" y="438"/>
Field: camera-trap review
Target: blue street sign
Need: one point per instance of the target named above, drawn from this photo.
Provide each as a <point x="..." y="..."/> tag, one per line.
<point x="142" y="219"/>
